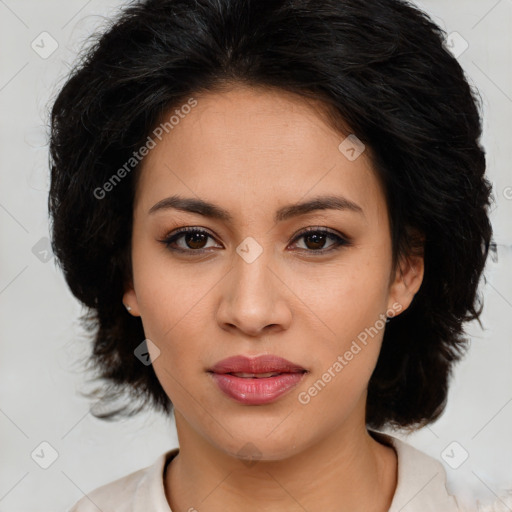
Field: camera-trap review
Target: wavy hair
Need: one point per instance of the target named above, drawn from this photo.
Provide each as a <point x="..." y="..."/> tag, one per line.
<point x="380" y="67"/>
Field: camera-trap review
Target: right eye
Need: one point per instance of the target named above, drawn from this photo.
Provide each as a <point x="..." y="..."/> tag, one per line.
<point x="192" y="240"/>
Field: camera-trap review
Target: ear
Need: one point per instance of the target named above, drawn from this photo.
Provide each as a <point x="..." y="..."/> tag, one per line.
<point x="130" y="300"/>
<point x="407" y="279"/>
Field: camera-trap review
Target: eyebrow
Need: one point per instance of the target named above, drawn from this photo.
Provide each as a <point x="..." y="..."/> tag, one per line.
<point x="214" y="211"/>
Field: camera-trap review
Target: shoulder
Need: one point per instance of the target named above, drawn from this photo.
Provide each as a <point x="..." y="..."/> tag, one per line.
<point x="422" y="484"/>
<point x="421" y="480"/>
<point x="131" y="493"/>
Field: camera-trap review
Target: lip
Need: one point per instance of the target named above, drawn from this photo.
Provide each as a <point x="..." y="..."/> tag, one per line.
<point x="261" y="364"/>
<point x="256" y="390"/>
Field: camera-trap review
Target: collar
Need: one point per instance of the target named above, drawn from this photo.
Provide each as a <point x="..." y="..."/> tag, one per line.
<point x="150" y="493"/>
<point x="421" y="482"/>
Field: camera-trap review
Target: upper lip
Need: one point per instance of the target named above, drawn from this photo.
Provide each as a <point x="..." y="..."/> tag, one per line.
<point x="260" y="364"/>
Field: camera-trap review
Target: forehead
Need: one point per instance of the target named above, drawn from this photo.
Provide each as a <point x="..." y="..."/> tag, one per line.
<point x="259" y="143"/>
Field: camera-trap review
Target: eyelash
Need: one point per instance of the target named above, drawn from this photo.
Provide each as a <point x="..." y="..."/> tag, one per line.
<point x="340" y="241"/>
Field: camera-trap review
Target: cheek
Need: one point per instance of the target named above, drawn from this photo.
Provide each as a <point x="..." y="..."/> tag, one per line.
<point x="346" y="311"/>
<point x="347" y="298"/>
<point x="174" y="307"/>
<point x="343" y="362"/>
<point x="169" y="294"/>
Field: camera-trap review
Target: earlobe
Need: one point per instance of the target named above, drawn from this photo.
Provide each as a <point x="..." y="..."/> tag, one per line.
<point x="130" y="302"/>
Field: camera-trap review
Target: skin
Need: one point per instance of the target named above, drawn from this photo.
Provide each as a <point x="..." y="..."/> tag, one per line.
<point x="252" y="151"/>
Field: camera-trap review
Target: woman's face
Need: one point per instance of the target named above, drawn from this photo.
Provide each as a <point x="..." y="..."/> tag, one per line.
<point x="250" y="282"/>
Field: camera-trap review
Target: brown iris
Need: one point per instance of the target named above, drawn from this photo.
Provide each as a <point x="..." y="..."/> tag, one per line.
<point x="194" y="240"/>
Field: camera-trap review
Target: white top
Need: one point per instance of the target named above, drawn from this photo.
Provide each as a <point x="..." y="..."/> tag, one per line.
<point x="421" y="486"/>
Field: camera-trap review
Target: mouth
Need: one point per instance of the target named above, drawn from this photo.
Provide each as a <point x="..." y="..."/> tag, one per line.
<point x="257" y="367"/>
<point x="245" y="375"/>
<point x="256" y="381"/>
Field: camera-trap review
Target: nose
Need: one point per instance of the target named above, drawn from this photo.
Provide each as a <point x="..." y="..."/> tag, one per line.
<point x="254" y="298"/>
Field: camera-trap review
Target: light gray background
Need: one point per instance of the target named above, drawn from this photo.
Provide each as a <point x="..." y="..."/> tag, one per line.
<point x="42" y="342"/>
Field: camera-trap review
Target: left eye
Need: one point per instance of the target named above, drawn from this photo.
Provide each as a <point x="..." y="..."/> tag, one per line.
<point x="195" y="240"/>
<point x="315" y="238"/>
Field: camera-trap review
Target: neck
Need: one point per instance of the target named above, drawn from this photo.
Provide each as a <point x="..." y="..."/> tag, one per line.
<point x="346" y="471"/>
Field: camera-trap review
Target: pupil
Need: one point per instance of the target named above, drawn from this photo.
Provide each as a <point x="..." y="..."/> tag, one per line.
<point x="318" y="240"/>
<point x="194" y="240"/>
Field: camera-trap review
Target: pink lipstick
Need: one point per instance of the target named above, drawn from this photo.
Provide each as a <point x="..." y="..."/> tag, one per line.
<point x="256" y="381"/>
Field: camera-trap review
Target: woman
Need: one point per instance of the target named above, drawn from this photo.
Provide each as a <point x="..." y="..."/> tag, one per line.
<point x="277" y="215"/>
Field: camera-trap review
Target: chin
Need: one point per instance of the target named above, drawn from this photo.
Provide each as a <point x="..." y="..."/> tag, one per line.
<point x="256" y="447"/>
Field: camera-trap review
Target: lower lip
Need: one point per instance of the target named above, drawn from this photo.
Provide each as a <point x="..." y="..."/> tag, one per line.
<point x="253" y="391"/>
